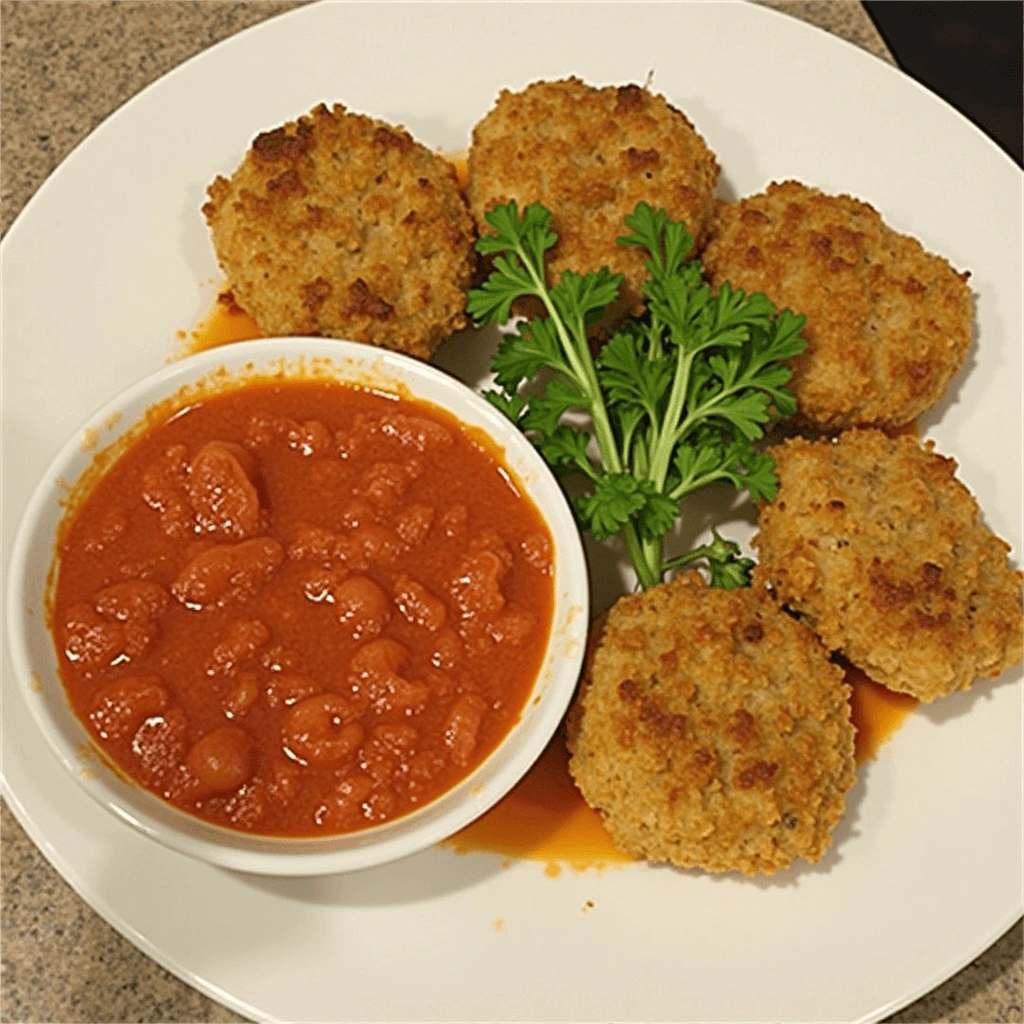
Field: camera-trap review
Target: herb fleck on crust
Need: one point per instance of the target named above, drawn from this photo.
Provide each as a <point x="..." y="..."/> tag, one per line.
<point x="590" y="155"/>
<point x="888" y="324"/>
<point x="880" y="548"/>
<point x="341" y="225"/>
<point x="712" y="731"/>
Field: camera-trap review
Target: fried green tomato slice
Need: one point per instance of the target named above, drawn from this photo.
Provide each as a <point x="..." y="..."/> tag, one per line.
<point x="881" y="549"/>
<point x="712" y="731"/>
<point x="590" y="154"/>
<point x="344" y="226"/>
<point x="888" y="324"/>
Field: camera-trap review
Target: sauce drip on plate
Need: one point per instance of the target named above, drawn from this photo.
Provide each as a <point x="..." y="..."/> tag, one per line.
<point x="226" y="322"/>
<point x="877" y="713"/>
<point x="543" y="818"/>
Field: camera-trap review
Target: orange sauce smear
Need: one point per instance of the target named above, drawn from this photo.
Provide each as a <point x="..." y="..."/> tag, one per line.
<point x="910" y="429"/>
<point x="544" y="818"/>
<point x="460" y="161"/>
<point x="225" y="323"/>
<point x="877" y="713"/>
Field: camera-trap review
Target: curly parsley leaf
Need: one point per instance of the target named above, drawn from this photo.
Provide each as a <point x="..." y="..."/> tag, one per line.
<point x="621" y="499"/>
<point x="514" y="232"/>
<point x="675" y="399"/>
<point x="511" y="405"/>
<point x="668" y="242"/>
<point x="628" y="376"/>
<point x="730" y="571"/>
<point x="492" y="302"/>
<point x="580" y="300"/>
<point x="727" y="568"/>
<point x="524" y="353"/>
<point x="547" y="408"/>
<point x="565" y="450"/>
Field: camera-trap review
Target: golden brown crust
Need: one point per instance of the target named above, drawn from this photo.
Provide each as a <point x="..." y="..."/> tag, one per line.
<point x="875" y="542"/>
<point x="342" y="225"/>
<point x="713" y="731"/>
<point x="888" y="324"/>
<point x="590" y="155"/>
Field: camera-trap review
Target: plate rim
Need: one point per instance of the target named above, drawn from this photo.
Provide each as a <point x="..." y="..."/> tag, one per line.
<point x="43" y="189"/>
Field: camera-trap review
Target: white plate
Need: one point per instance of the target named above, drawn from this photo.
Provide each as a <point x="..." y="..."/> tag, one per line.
<point x="927" y="866"/>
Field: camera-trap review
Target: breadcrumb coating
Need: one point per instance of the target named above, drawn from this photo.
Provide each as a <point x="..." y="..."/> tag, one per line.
<point x="341" y="225"/>
<point x="590" y="155"/>
<point x="878" y="546"/>
<point x="712" y="731"/>
<point x="888" y="324"/>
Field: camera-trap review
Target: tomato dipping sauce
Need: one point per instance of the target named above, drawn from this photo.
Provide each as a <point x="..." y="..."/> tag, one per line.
<point x="302" y="608"/>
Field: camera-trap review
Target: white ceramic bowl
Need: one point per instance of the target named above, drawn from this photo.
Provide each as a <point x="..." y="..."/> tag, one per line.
<point x="35" y="659"/>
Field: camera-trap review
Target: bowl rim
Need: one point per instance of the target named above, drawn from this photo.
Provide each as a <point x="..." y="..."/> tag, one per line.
<point x="450" y="811"/>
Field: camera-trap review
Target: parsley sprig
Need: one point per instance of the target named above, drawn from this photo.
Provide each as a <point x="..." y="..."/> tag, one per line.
<point x="673" y="402"/>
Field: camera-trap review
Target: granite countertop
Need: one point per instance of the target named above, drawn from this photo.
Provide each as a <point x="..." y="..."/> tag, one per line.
<point x="65" y="68"/>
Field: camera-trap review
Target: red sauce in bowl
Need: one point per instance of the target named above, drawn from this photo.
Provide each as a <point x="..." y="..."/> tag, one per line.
<point x="302" y="608"/>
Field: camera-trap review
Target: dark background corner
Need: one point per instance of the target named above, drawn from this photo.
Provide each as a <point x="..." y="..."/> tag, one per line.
<point x="967" y="51"/>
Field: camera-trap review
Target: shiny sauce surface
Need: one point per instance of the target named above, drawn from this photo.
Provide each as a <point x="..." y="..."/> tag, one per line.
<point x="302" y="608"/>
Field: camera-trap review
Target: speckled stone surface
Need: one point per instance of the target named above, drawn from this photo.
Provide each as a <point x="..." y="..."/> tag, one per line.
<point x="65" y="67"/>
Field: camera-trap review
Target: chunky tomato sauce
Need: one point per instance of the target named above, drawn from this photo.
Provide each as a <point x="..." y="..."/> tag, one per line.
<point x="302" y="608"/>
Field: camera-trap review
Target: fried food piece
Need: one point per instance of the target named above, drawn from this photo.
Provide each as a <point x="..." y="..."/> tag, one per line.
<point x="712" y="731"/>
<point x="879" y="547"/>
<point x="340" y="225"/>
<point x="888" y="324"/>
<point x="590" y="155"/>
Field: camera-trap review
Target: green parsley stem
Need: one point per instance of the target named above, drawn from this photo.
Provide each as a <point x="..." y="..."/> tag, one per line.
<point x="704" y="411"/>
<point x="655" y="333"/>
<point x="686" y="487"/>
<point x="666" y="440"/>
<point x="647" y="572"/>
<point x="663" y="444"/>
<point x="691" y="556"/>
<point x="582" y="367"/>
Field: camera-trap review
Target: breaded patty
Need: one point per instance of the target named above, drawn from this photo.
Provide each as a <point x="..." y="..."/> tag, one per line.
<point x="888" y="324"/>
<point x="879" y="547"/>
<point x="590" y="155"/>
<point x="340" y="225"/>
<point x="713" y="731"/>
